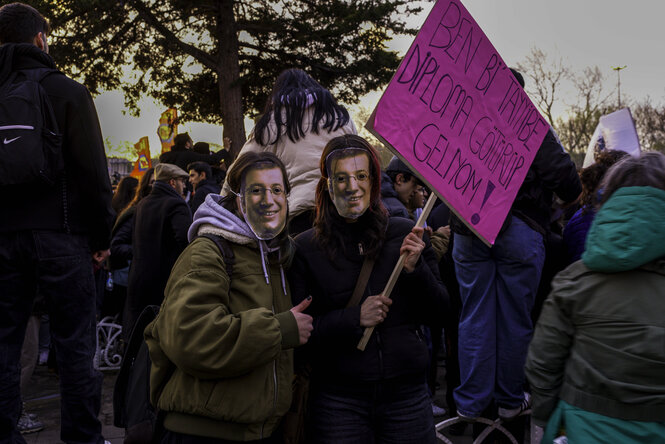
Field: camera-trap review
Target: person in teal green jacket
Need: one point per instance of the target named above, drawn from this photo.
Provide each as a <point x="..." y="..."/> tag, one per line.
<point x="221" y="346"/>
<point x="596" y="364"/>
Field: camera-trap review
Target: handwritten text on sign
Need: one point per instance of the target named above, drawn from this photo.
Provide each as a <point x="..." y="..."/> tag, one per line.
<point x="457" y="115"/>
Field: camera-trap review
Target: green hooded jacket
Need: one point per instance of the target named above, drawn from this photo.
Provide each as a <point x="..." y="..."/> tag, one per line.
<point x="599" y="344"/>
<point x="221" y="349"/>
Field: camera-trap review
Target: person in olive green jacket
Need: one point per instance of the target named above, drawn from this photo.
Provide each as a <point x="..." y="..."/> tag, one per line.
<point x="596" y="364"/>
<point x="221" y="346"/>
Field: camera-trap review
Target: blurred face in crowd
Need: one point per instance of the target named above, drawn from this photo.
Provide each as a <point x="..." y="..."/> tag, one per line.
<point x="418" y="199"/>
<point x="195" y="177"/>
<point x="405" y="189"/>
<point x="178" y="184"/>
<point x="350" y="184"/>
<point x="263" y="202"/>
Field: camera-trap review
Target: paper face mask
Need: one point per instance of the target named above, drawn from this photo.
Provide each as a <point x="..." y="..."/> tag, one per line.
<point x="349" y="181"/>
<point x="263" y="202"/>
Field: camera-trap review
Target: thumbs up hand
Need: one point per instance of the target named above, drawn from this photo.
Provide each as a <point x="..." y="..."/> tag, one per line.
<point x="303" y="320"/>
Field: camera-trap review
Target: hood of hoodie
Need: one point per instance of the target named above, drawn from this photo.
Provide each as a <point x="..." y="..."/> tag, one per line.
<point x="212" y="218"/>
<point x="628" y="231"/>
<point x="15" y="56"/>
<point x="387" y="189"/>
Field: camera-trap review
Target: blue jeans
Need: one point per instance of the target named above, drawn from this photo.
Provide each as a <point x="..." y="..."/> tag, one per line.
<point x="367" y="413"/>
<point x="498" y="288"/>
<point x="58" y="266"/>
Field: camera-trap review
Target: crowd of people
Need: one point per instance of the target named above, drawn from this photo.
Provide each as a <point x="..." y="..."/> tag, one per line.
<point x="270" y="268"/>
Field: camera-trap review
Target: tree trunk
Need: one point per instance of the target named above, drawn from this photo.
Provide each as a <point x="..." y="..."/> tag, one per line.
<point x="228" y="77"/>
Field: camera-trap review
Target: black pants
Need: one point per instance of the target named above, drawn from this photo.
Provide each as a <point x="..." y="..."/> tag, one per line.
<point x="58" y="266"/>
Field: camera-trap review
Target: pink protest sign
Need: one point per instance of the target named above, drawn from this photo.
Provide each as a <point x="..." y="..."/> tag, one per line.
<point x="457" y="116"/>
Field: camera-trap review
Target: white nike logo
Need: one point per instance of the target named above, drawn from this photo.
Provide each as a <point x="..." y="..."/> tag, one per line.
<point x="8" y="141"/>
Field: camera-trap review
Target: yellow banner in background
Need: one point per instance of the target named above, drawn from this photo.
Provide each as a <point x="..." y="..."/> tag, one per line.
<point x="168" y="128"/>
<point x="143" y="163"/>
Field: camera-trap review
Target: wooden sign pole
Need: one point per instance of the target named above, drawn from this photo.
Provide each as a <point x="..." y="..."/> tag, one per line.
<point x="398" y="269"/>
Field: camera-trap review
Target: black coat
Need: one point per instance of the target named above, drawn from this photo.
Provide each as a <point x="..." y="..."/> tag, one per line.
<point x="396" y="347"/>
<point x="121" y="239"/>
<point x="88" y="188"/>
<point x="204" y="188"/>
<point x="160" y="235"/>
<point x="552" y="172"/>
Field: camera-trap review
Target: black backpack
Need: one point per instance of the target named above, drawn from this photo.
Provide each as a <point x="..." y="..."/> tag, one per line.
<point x="132" y="409"/>
<point x="30" y="142"/>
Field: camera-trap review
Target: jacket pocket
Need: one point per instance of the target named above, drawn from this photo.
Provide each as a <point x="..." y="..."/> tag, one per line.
<point x="245" y="399"/>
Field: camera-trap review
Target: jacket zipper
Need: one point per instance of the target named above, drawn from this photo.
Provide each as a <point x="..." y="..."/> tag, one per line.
<point x="380" y="347"/>
<point x="274" y="380"/>
<point x="10" y="127"/>
<point x="378" y="340"/>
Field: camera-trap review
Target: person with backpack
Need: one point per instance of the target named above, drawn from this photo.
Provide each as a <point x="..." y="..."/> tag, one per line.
<point x="55" y="221"/>
<point x="222" y="344"/>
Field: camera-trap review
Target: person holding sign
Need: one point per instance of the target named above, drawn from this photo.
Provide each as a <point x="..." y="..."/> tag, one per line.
<point x="221" y="345"/>
<point x="498" y="287"/>
<point x="380" y="394"/>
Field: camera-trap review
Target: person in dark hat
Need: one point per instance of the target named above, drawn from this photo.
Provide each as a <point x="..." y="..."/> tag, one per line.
<point x="398" y="186"/>
<point x="203" y="182"/>
<point x="201" y="148"/>
<point x="182" y="153"/>
<point x="160" y="234"/>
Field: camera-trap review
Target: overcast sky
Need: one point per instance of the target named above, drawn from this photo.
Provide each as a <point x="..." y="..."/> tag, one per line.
<point x="605" y="33"/>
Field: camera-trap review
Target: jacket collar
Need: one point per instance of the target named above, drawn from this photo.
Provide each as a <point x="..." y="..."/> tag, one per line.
<point x="164" y="188"/>
<point x="15" y="56"/>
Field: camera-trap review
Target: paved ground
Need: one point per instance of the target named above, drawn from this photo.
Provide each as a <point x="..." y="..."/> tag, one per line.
<point x="43" y="399"/>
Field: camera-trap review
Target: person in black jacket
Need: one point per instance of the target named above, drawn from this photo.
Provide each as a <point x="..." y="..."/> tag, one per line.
<point x="50" y="236"/>
<point x="160" y="234"/>
<point x="498" y="287"/>
<point x="398" y="186"/>
<point x="182" y="154"/>
<point x="379" y="394"/>
<point x="121" y="244"/>
<point x="200" y="176"/>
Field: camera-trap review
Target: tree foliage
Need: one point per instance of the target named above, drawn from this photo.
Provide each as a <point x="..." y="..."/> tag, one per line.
<point x="216" y="60"/>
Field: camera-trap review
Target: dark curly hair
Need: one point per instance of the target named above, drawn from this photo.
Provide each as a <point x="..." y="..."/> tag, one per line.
<point x="647" y="170"/>
<point x="329" y="226"/>
<point x="124" y="193"/>
<point x="287" y="105"/>
<point x="592" y="175"/>
<point x="142" y="190"/>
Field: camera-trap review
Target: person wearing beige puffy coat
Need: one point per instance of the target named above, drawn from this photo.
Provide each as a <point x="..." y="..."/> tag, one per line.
<point x="301" y="116"/>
